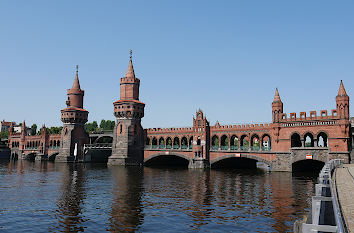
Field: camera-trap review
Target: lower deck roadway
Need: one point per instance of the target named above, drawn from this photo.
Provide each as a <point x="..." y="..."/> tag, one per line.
<point x="344" y="179"/>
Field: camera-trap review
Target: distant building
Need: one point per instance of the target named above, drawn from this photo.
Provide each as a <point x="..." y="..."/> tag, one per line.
<point x="5" y="125"/>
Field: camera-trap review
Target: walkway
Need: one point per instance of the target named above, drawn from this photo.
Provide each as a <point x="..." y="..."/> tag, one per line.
<point x="344" y="178"/>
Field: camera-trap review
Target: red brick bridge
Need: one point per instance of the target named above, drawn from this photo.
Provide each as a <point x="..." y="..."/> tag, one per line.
<point x="289" y="142"/>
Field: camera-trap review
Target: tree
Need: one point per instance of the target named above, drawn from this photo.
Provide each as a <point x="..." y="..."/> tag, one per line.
<point x="4" y="134"/>
<point x="33" y="129"/>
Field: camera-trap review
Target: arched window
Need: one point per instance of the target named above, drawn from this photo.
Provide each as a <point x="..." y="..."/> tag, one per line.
<point x="58" y="143"/>
<point x="244" y="143"/>
<point x="255" y="142"/>
<point x="266" y="143"/>
<point x="234" y="142"/>
<point x="190" y="142"/>
<point x="176" y="143"/>
<point x="215" y="143"/>
<point x="168" y="143"/>
<point x="198" y="141"/>
<point x="154" y="143"/>
<point x="224" y="142"/>
<point x="309" y="142"/>
<point x="322" y="140"/>
<point x="295" y="140"/>
<point x="147" y="141"/>
<point x="161" y="143"/>
<point x="184" y="143"/>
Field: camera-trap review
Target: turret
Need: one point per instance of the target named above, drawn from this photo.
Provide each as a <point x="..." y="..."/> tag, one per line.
<point x="342" y="102"/>
<point x="74" y="117"/>
<point x="128" y="134"/>
<point x="277" y="107"/>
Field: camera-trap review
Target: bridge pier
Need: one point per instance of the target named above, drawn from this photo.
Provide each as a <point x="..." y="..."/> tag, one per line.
<point x="198" y="163"/>
<point x="40" y="157"/>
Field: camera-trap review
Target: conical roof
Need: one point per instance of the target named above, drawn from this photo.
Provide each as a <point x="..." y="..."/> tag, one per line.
<point x="76" y="84"/>
<point x="276" y="96"/>
<point x="341" y="91"/>
<point x="130" y="71"/>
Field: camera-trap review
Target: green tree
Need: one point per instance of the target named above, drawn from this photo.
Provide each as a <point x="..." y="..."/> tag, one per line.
<point x="34" y="129"/>
<point x="4" y="134"/>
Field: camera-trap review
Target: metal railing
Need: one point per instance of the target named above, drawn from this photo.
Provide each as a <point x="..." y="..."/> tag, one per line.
<point x="325" y="203"/>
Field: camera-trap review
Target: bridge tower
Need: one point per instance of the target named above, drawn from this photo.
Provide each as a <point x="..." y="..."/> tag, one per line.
<point x="201" y="141"/>
<point x="128" y="135"/>
<point x="342" y="102"/>
<point x="74" y="117"/>
<point x="277" y="107"/>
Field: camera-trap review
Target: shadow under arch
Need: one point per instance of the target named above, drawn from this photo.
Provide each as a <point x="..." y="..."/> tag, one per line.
<point x="307" y="165"/>
<point x="31" y="156"/>
<point x="52" y="156"/>
<point x="171" y="160"/>
<point x="243" y="162"/>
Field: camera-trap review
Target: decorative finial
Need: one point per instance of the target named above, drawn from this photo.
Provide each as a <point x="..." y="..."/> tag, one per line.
<point x="131" y="54"/>
<point x="77" y="69"/>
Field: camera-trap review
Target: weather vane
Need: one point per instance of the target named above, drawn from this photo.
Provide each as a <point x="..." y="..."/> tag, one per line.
<point x="131" y="54"/>
<point x="77" y="68"/>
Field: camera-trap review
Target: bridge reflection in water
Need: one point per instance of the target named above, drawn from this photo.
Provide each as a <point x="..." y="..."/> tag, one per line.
<point x="94" y="198"/>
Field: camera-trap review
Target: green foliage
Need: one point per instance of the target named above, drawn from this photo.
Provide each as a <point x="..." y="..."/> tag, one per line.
<point x="54" y="130"/>
<point x="105" y="125"/>
<point x="4" y="134"/>
<point x="34" y="129"/>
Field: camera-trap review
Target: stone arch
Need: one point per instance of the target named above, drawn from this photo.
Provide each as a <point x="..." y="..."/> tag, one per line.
<point x="314" y="165"/>
<point x="31" y="156"/>
<point x="179" y="158"/>
<point x="295" y="140"/>
<point x="245" y="161"/>
<point x="322" y="139"/>
<point x="215" y="142"/>
<point x="309" y="139"/>
<point x="52" y="156"/>
<point x="248" y="156"/>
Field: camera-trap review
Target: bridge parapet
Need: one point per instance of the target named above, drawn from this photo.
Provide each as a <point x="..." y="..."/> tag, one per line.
<point x="326" y="214"/>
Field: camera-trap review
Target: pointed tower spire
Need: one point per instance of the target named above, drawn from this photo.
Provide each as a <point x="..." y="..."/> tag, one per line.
<point x="341" y="91"/>
<point x="76" y="84"/>
<point x="130" y="71"/>
<point x="276" y="96"/>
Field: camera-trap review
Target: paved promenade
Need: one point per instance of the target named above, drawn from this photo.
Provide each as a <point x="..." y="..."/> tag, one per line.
<point x="345" y="188"/>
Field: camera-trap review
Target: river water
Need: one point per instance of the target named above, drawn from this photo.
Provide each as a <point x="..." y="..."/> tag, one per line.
<point x="49" y="197"/>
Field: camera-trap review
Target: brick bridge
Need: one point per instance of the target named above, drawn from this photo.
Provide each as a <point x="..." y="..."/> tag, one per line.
<point x="289" y="141"/>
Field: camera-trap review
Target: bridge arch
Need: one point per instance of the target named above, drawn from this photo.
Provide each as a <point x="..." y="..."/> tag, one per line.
<point x="171" y="159"/>
<point x="31" y="156"/>
<point x="52" y="156"/>
<point x="231" y="161"/>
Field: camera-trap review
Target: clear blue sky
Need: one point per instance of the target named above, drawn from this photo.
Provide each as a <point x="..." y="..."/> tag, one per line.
<point x="225" y="57"/>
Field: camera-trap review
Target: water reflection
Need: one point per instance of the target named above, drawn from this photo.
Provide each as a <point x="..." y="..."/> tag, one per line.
<point x="71" y="199"/>
<point x="126" y="213"/>
<point x="44" y="196"/>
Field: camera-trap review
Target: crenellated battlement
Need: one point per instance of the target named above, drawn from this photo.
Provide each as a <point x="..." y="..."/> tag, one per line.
<point x="312" y="116"/>
<point x="169" y="130"/>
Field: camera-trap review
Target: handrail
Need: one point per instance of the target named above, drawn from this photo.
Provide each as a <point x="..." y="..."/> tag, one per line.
<point x="325" y="181"/>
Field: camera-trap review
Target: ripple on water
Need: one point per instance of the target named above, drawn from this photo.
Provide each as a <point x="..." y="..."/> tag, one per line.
<point x="48" y="197"/>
